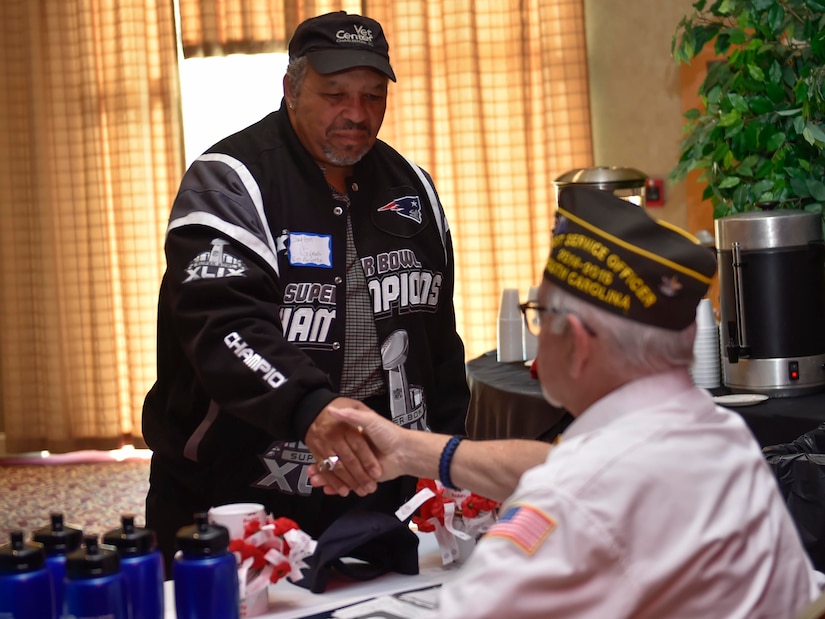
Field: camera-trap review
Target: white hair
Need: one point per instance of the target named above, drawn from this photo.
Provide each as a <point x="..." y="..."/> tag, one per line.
<point x="635" y="349"/>
<point x="296" y="71"/>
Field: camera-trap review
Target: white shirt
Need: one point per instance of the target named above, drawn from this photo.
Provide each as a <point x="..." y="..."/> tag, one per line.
<point x="656" y="503"/>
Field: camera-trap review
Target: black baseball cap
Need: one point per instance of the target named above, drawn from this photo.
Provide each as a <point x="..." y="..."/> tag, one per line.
<point x="380" y="542"/>
<point x="339" y="41"/>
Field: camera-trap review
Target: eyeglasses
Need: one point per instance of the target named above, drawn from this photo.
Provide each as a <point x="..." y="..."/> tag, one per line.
<point x="532" y="313"/>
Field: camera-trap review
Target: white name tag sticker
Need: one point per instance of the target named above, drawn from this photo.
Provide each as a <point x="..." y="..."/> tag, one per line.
<point x="310" y="250"/>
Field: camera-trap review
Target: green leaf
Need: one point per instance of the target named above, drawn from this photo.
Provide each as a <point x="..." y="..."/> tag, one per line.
<point x="701" y="35"/>
<point x="776" y="15"/>
<point x="750" y="160"/>
<point x="816" y="131"/>
<point x="800" y="187"/>
<point x="765" y="169"/>
<point x="761" y="187"/>
<point x="747" y="142"/>
<point x="818" y="45"/>
<point x="801" y="91"/>
<point x="762" y="5"/>
<point x="815" y="5"/>
<point x="728" y="182"/>
<point x="789" y="76"/>
<point x="817" y="189"/>
<point x="720" y="210"/>
<point x="737" y="35"/>
<point x="775" y="92"/>
<point x="726" y="7"/>
<point x="741" y="200"/>
<point x="738" y="102"/>
<point x="813" y="207"/>
<point x="692" y="114"/>
<point x="756" y="73"/>
<point x="775" y="73"/>
<point x="734" y="129"/>
<point x="775" y="141"/>
<point x="792" y="112"/>
<point x="720" y="152"/>
<point x="722" y="44"/>
<point x="707" y="194"/>
<point x="760" y="104"/>
<point x="731" y="118"/>
<point x="809" y="136"/>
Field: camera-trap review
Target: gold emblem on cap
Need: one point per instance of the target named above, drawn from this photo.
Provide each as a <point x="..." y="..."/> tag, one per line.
<point x="670" y="285"/>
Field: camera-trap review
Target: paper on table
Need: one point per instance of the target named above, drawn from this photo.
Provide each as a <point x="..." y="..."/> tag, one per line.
<point x="418" y="604"/>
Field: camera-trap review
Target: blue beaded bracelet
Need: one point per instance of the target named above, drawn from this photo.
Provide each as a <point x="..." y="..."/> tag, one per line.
<point x="446" y="460"/>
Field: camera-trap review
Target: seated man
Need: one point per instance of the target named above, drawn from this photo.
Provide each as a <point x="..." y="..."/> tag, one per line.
<point x="655" y="502"/>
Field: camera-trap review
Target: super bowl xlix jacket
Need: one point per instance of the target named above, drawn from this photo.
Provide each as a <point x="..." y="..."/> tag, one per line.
<point x="252" y="311"/>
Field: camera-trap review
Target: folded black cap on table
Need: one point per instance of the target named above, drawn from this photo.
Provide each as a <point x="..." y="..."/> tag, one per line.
<point x="379" y="542"/>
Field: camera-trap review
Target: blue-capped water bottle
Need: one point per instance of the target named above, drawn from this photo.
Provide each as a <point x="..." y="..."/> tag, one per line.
<point x="95" y="586"/>
<point x="142" y="566"/>
<point x="58" y="541"/>
<point x="25" y="585"/>
<point x="205" y="573"/>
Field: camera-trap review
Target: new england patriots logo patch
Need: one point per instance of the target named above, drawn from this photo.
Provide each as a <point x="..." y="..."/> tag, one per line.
<point x="408" y="206"/>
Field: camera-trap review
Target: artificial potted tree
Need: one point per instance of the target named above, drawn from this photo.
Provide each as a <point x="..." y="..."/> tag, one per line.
<point x="760" y="137"/>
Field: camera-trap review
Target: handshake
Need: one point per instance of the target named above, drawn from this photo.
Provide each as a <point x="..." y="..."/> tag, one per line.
<point x="356" y="448"/>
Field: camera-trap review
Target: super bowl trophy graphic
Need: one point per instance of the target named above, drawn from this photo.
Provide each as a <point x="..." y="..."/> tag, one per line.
<point x="406" y="403"/>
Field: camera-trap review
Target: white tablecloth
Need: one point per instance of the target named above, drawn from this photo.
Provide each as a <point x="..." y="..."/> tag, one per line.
<point x="288" y="601"/>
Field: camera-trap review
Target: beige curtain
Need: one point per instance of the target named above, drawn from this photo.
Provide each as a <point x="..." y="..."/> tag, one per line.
<point x="89" y="162"/>
<point x="220" y="27"/>
<point x="492" y="100"/>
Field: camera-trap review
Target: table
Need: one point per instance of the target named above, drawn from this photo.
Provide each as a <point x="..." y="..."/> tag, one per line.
<point x="506" y="402"/>
<point x="289" y="601"/>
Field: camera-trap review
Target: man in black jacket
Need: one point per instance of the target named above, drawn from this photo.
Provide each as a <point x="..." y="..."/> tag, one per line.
<point x="309" y="265"/>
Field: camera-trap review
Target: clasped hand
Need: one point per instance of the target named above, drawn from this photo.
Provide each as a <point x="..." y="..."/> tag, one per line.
<point x="364" y="443"/>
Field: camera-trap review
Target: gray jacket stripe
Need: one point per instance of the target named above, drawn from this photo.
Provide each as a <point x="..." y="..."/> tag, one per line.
<point x="190" y="450"/>
<point x="438" y="212"/>
<point x="241" y="235"/>
<point x="249" y="183"/>
<point x="269" y="254"/>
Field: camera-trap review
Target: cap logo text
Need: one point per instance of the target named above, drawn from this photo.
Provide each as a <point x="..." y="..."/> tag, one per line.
<point x="361" y="35"/>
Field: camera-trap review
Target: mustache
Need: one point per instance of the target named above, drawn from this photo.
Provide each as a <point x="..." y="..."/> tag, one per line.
<point x="348" y="125"/>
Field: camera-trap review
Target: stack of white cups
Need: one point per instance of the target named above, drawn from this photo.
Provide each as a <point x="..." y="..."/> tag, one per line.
<point x="509" y="327"/>
<point x="706" y="368"/>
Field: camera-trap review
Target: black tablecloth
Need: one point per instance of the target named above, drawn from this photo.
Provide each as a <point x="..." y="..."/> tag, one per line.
<point x="506" y="402"/>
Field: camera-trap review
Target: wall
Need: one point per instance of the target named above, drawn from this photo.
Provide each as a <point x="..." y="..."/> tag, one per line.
<point x="635" y="91"/>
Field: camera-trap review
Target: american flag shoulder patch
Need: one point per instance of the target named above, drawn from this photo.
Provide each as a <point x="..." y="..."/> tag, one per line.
<point x="524" y="525"/>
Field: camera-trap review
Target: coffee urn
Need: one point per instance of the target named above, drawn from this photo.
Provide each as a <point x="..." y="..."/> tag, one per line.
<point x="625" y="183"/>
<point x="771" y="267"/>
